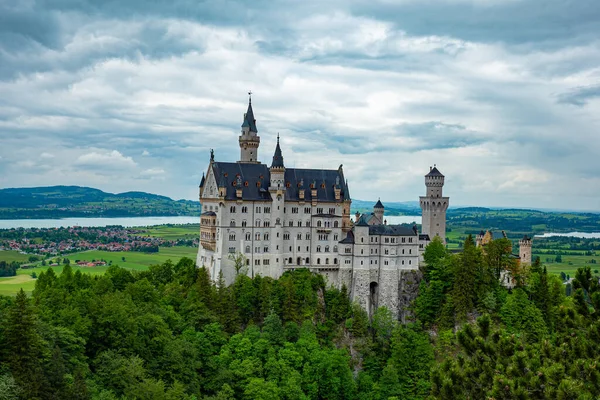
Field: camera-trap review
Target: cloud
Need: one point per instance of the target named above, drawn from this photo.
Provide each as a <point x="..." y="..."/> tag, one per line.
<point x="580" y="96"/>
<point x="105" y="160"/>
<point x="124" y="95"/>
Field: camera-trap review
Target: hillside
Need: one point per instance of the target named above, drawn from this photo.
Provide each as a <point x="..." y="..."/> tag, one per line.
<point x="77" y="201"/>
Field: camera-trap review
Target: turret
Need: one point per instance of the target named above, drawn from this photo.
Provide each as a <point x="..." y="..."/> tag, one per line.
<point x="525" y="250"/>
<point x="378" y="211"/>
<point x="277" y="168"/>
<point x="249" y="140"/>
<point x="434" y="205"/>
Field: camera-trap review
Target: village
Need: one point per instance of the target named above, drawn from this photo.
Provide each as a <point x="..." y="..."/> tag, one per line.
<point x="48" y="242"/>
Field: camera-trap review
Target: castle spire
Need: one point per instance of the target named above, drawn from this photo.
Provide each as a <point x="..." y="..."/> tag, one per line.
<point x="249" y="121"/>
<point x="277" y="157"/>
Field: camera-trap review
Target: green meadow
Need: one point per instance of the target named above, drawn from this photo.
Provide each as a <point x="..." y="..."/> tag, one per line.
<point x="12" y="255"/>
<point x="130" y="260"/>
<point x="172" y="232"/>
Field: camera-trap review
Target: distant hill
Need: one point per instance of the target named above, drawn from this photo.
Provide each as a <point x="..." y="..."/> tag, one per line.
<point x="78" y="201"/>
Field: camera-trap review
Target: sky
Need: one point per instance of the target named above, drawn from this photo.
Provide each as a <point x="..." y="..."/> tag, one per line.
<point x="502" y="95"/>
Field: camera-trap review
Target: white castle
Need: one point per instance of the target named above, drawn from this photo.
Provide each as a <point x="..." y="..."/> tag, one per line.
<point x="282" y="218"/>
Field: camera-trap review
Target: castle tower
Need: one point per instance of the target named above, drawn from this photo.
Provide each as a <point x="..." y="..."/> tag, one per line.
<point x="434" y="206"/>
<point x="363" y="291"/>
<point x="249" y="139"/>
<point x="378" y="211"/>
<point x="277" y="190"/>
<point x="525" y="250"/>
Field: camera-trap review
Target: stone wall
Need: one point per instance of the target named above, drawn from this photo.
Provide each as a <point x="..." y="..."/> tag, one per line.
<point x="408" y="289"/>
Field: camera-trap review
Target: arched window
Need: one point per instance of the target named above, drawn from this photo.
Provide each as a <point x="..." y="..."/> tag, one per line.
<point x="257" y="223"/>
<point x="244" y="223"/>
<point x="232" y="209"/>
<point x="326" y="261"/>
<point x="318" y="249"/>
<point x="335" y="249"/>
<point x="326" y="249"/>
<point x="248" y="236"/>
<point x="290" y="260"/>
<point x="318" y="261"/>
<point x="257" y="236"/>
<point x="232" y="223"/>
<point x="318" y="224"/>
<point x="247" y="249"/>
<point x="277" y="221"/>
<point x="335" y="261"/>
<point x="291" y="223"/>
<point x="307" y="260"/>
<point x="266" y="236"/>
<point x="307" y="223"/>
<point x="335" y="224"/>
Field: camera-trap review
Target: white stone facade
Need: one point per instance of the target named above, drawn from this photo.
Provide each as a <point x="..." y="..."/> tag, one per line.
<point x="281" y="219"/>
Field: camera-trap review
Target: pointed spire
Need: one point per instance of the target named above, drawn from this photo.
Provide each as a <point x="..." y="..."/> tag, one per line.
<point x="202" y="180"/>
<point x="379" y="204"/>
<point x="277" y="157"/>
<point x="249" y="121"/>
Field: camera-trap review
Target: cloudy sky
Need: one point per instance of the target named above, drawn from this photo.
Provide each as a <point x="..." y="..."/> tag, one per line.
<point x="503" y="95"/>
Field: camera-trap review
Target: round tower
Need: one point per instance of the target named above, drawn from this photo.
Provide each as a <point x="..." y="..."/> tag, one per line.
<point x="525" y="250"/>
<point x="277" y="190"/>
<point x="434" y="205"/>
<point x="249" y="139"/>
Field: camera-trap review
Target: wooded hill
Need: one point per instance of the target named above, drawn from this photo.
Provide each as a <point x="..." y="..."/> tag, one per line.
<point x="77" y="201"/>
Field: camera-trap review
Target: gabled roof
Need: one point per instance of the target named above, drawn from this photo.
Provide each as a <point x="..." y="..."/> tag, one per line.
<point x="258" y="177"/>
<point x="349" y="239"/>
<point x="362" y="221"/>
<point x="202" y="180"/>
<point x="434" y="172"/>
<point x="391" y="230"/>
<point x="249" y="120"/>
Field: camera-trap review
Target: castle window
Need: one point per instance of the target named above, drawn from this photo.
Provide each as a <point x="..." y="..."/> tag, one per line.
<point x="402" y="262"/>
<point x="403" y="240"/>
<point x="266" y="249"/>
<point x="257" y="236"/>
<point x="386" y="252"/>
<point x="299" y="224"/>
<point x="318" y="249"/>
<point x="257" y="249"/>
<point x="307" y="223"/>
<point x="335" y="261"/>
<point x="291" y="223"/>
<point x="266" y="262"/>
<point x="266" y="236"/>
<point x="258" y="209"/>
<point x="247" y="261"/>
<point x="307" y="260"/>
<point x="286" y="236"/>
<point x="335" y="249"/>
<point x="232" y="209"/>
<point x="232" y="223"/>
<point x="319" y="211"/>
<point x="322" y="185"/>
<point x="335" y="237"/>
<point x="347" y="250"/>
<point x="402" y="251"/>
<point x="327" y="261"/>
<point x="267" y="209"/>
<point x="232" y="249"/>
<point x="266" y="224"/>
<point x="409" y="262"/>
<point x="294" y="210"/>
<point x="306" y="210"/>
<point x="332" y="210"/>
<point x="362" y="251"/>
<point x="410" y="240"/>
<point x="318" y="224"/>
<point x="335" y="224"/>
<point x="246" y="183"/>
<point x="409" y="251"/>
<point x="287" y="185"/>
<point x="232" y="236"/>
<point x="326" y="249"/>
<point x="299" y="236"/>
<point x="244" y="223"/>
<point x="247" y="249"/>
<point x="244" y="210"/>
<point x="257" y="223"/>
<point x="318" y="261"/>
<point x="361" y="263"/>
<point x="248" y="236"/>
<point x="277" y="221"/>
<point x="307" y="236"/>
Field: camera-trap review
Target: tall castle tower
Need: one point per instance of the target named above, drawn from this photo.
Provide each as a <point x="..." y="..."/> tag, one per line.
<point x="249" y="139"/>
<point x="434" y="205"/>
<point x="525" y="250"/>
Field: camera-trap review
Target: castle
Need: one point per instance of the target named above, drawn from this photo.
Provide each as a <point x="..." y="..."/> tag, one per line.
<point x="282" y="218"/>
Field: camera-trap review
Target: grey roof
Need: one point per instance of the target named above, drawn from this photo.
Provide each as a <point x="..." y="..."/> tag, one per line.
<point x="391" y="230"/>
<point x="277" y="157"/>
<point x="298" y="179"/>
<point x="349" y="239"/>
<point x="202" y="180"/>
<point x="249" y="120"/>
<point x="424" y="236"/>
<point x="209" y="214"/>
<point x="362" y="221"/>
<point x="379" y="204"/>
<point x="434" y="172"/>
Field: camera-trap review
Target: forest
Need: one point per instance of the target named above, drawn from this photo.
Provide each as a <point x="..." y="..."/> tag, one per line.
<point x="171" y="333"/>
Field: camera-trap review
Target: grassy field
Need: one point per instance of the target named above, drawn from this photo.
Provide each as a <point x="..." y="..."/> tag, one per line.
<point x="133" y="260"/>
<point x="11" y="255"/>
<point x="172" y="232"/>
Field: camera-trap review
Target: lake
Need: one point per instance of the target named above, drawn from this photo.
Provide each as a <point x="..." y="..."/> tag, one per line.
<point x="87" y="222"/>
<point x="138" y="221"/>
<point x="587" y="235"/>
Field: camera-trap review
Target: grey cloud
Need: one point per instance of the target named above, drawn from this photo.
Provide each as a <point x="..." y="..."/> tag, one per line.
<point x="580" y="96"/>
